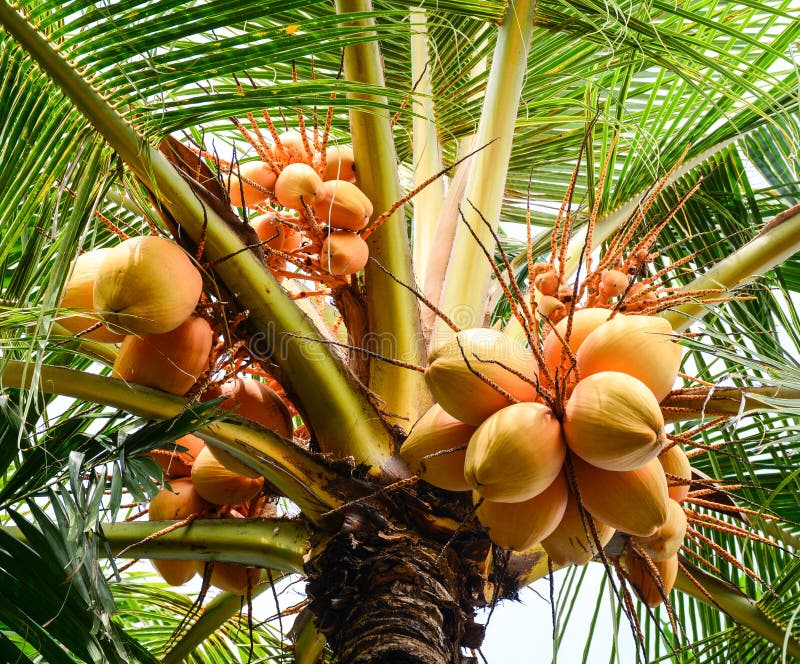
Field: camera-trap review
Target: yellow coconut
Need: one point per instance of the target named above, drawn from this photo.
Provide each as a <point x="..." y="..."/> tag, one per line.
<point x="343" y="252"/>
<point x="176" y="462"/>
<point x="437" y="431"/>
<point x="218" y="485"/>
<point x="78" y="295"/>
<point x="613" y="421"/>
<point x="633" y="501"/>
<point x="640" y="346"/>
<point x="251" y="184"/>
<point x="583" y="322"/>
<point x="339" y="163"/>
<point x="343" y="205"/>
<point x="572" y="541"/>
<point x="515" y="454"/>
<point x="171" y="361"/>
<point x="254" y="401"/>
<point x="676" y="463"/>
<point x="651" y="585"/>
<point x="297" y="184"/>
<point x="519" y="526"/>
<point x="455" y="369"/>
<point x="668" y="538"/>
<point x="146" y="285"/>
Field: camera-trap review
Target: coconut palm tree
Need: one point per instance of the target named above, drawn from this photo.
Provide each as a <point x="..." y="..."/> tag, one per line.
<point x="578" y="127"/>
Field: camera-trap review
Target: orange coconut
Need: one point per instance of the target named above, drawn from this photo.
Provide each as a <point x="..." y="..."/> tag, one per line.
<point x="613" y="421"/>
<point x="584" y="321"/>
<point x="572" y="542"/>
<point x="78" y="295"/>
<point x="218" y="485"/>
<point x="254" y="401"/>
<point x="297" y="184"/>
<point x="519" y="526"/>
<point x="146" y="285"/>
<point x="633" y="501"/>
<point x="668" y="538"/>
<point x="174" y="572"/>
<point x="651" y="586"/>
<point x="676" y="463"/>
<point x="339" y="163"/>
<point x="515" y="454"/>
<point x="613" y="283"/>
<point x="178" y="463"/>
<point x="343" y="252"/>
<point x="171" y="361"/>
<point x="455" y="369"/>
<point x="291" y="143"/>
<point x="232" y="578"/>
<point x="250" y="185"/>
<point x="547" y="283"/>
<point x="437" y="431"/>
<point x="343" y="205"/>
<point x="640" y="346"/>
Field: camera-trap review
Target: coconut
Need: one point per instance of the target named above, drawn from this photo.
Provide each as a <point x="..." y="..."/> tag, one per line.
<point x="297" y="184"/>
<point x="640" y="346"/>
<point x="232" y="578"/>
<point x="676" y="463"/>
<point x="519" y="526"/>
<point x="613" y="283"/>
<point x="547" y="283"/>
<point x="515" y="454"/>
<point x="633" y="501"/>
<point x="179" y="501"/>
<point x="175" y="572"/>
<point x="241" y="187"/>
<point x="343" y="252"/>
<point x="146" y="285"/>
<point x="254" y="401"/>
<point x="584" y="321"/>
<point x="572" y="542"/>
<point x="613" y="421"/>
<point x="292" y="143"/>
<point x="651" y="586"/>
<point x="78" y="295"/>
<point x="437" y="431"/>
<point x="174" y="462"/>
<point x="339" y="163"/>
<point x="668" y="538"/>
<point x="343" y="205"/>
<point x="456" y="385"/>
<point x="172" y="361"/>
<point x="218" y="485"/>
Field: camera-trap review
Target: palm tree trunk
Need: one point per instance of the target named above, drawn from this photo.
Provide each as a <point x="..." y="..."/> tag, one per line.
<point x="390" y="597"/>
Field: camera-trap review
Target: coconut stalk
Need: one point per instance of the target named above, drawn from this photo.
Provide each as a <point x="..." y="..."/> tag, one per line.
<point x="742" y="610"/>
<point x="335" y="408"/>
<point x="466" y="285"/>
<point x="777" y="241"/>
<point x="295" y="472"/>
<point x="427" y="153"/>
<point x="393" y="311"/>
<point x="271" y="543"/>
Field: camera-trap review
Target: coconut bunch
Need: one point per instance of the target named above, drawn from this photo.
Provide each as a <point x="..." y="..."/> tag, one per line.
<point x="309" y="213"/>
<point x="567" y="474"/>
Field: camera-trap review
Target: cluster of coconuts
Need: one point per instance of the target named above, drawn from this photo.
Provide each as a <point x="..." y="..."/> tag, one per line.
<point x="517" y="456"/>
<point x="145" y="291"/>
<point x="311" y="207"/>
<point x="206" y="481"/>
